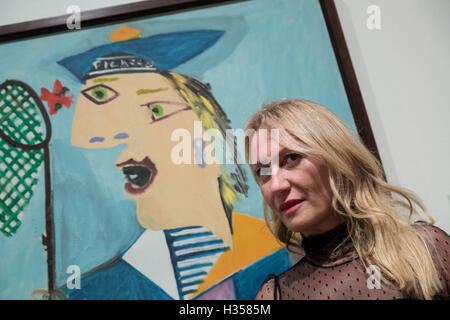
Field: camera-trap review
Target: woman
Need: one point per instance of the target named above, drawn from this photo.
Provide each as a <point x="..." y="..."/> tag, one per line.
<point x="325" y="194"/>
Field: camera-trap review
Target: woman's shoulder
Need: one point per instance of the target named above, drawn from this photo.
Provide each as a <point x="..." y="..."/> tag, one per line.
<point x="270" y="289"/>
<point x="437" y="239"/>
<point x="267" y="290"/>
<point x="432" y="232"/>
<point x="439" y="244"/>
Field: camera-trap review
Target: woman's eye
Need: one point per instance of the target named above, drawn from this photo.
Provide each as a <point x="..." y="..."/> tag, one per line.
<point x="292" y="157"/>
<point x="262" y="174"/>
<point x="100" y="94"/>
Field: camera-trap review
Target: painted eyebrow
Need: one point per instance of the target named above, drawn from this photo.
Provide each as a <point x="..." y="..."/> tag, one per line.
<point x="145" y="91"/>
<point x="101" y="80"/>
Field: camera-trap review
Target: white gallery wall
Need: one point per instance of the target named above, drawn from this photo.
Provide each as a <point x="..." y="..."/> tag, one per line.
<point x="403" y="71"/>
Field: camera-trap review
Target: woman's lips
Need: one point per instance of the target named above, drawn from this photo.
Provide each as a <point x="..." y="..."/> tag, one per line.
<point x="290" y="206"/>
<point x="140" y="174"/>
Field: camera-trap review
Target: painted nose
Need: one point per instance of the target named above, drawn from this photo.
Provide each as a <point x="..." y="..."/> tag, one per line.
<point x="119" y="136"/>
<point x="99" y="141"/>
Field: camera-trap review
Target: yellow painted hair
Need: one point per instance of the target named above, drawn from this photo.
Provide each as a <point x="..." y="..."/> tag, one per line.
<point x="232" y="185"/>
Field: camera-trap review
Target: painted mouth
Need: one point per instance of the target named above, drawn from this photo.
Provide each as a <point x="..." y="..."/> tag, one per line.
<point x="290" y="205"/>
<point x="139" y="174"/>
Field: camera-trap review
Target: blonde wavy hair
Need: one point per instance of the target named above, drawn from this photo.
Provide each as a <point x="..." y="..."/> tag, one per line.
<point x="379" y="216"/>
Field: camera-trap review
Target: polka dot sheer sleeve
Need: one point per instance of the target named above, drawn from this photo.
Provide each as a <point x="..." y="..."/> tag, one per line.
<point x="439" y="245"/>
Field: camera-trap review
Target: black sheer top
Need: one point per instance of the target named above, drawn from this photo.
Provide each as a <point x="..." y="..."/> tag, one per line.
<point x="332" y="270"/>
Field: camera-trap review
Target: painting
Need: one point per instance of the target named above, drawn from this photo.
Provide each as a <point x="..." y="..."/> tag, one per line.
<point x="118" y="176"/>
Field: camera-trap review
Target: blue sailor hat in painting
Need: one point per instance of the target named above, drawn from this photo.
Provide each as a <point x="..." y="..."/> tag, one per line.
<point x="149" y="54"/>
<point x="119" y="62"/>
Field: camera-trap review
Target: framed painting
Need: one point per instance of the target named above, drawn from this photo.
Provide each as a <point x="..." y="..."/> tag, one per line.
<point x="106" y="192"/>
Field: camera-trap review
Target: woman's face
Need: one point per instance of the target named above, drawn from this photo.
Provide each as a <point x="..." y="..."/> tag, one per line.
<point x="297" y="188"/>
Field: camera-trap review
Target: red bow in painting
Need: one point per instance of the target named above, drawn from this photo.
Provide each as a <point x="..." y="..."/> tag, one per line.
<point x="57" y="98"/>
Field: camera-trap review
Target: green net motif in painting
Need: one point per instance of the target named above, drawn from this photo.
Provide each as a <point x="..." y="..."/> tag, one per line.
<point x="19" y="120"/>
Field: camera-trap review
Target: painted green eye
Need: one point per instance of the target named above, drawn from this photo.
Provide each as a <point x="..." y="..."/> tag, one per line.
<point x="99" y="93"/>
<point x="157" y="110"/>
<point x="160" y="110"/>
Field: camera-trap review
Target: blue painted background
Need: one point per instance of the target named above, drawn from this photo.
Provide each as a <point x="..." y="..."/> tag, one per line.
<point x="271" y="50"/>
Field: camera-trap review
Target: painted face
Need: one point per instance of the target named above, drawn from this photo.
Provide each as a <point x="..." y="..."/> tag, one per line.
<point x="297" y="190"/>
<point x="142" y="110"/>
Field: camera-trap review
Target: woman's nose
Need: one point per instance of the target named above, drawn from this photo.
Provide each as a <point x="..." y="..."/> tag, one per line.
<point x="279" y="182"/>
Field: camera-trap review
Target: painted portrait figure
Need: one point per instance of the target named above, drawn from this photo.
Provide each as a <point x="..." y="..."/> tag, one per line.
<point x="144" y="203"/>
<point x="193" y="245"/>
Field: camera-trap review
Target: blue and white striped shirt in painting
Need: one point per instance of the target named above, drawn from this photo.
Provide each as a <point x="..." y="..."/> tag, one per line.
<point x="194" y="251"/>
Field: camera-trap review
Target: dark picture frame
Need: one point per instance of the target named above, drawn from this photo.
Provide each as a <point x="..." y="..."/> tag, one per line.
<point x="151" y="8"/>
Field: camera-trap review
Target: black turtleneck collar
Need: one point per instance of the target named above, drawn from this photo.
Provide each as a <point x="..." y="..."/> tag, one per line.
<point x="324" y="243"/>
